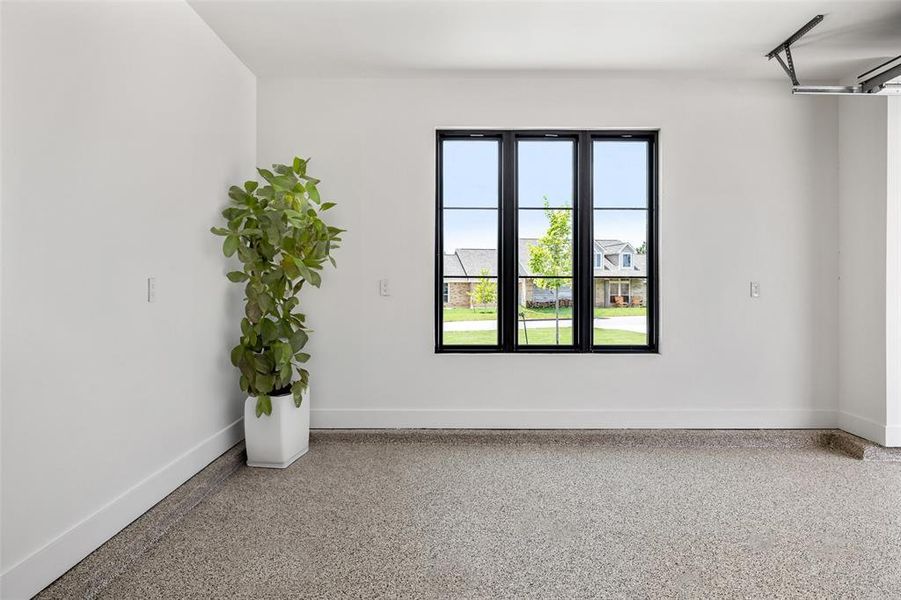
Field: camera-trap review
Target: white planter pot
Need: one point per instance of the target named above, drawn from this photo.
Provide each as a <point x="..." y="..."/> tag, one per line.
<point x="277" y="440"/>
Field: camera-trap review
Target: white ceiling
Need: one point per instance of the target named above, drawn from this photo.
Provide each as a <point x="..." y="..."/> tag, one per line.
<point x="383" y="38"/>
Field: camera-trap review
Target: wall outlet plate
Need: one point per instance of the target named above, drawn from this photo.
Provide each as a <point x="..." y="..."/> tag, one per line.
<point x="755" y="289"/>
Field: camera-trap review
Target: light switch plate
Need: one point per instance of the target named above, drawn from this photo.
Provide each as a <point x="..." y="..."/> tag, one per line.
<point x="151" y="289"/>
<point x="755" y="289"/>
<point x="383" y="287"/>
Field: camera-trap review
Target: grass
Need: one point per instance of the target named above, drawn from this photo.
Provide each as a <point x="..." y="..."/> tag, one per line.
<point x="490" y="314"/>
<point x="545" y="335"/>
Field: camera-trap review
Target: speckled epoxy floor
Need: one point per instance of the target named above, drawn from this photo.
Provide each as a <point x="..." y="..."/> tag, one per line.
<point x="531" y="517"/>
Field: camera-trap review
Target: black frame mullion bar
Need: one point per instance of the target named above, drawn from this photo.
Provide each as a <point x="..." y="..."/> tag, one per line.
<point x="509" y="267"/>
<point x="583" y="212"/>
<point x="585" y="247"/>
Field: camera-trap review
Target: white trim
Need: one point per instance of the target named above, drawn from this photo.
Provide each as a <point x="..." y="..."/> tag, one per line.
<point x="361" y="418"/>
<point x="862" y="427"/>
<point x="893" y="273"/>
<point x="32" y="574"/>
<point x="892" y="436"/>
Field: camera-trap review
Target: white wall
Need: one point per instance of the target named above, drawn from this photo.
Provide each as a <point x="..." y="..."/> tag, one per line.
<point x="123" y="125"/>
<point x="893" y="272"/>
<point x="869" y="232"/>
<point x="748" y="180"/>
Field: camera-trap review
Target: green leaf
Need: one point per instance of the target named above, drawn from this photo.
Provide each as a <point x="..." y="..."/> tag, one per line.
<point x="266" y="303"/>
<point x="265" y="383"/>
<point x="298" y="164"/>
<point x="282" y="353"/>
<point x="237" y="276"/>
<point x="299" y="340"/>
<point x="264" y="405"/>
<point x="253" y="312"/>
<point x="265" y="174"/>
<point x="250" y="186"/>
<point x="304" y="271"/>
<point x="268" y="331"/>
<point x="326" y="205"/>
<point x="313" y="192"/>
<point x="237" y="354"/>
<point x="301" y="357"/>
<point x="220" y="231"/>
<point x="297" y="390"/>
<point x="230" y="245"/>
<point x="239" y="195"/>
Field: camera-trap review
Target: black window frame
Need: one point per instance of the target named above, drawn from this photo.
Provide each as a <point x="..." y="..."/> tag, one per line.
<point x="583" y="240"/>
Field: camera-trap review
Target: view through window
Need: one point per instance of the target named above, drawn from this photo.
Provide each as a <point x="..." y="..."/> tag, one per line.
<point x="546" y="241"/>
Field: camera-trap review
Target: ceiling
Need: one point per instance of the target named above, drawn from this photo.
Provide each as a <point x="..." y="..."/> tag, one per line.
<point x="386" y="38"/>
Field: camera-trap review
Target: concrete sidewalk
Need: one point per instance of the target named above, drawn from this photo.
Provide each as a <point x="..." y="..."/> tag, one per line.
<point x="636" y="324"/>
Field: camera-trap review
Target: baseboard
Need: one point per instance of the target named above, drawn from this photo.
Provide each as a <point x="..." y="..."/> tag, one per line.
<point x="41" y="568"/>
<point x="892" y="436"/>
<point x="863" y="427"/>
<point x="351" y="418"/>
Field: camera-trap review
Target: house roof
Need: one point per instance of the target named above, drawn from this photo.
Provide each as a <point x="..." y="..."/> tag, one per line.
<point x="453" y="267"/>
<point x="478" y="262"/>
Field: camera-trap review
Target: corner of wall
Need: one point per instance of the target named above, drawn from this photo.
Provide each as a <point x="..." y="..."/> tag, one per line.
<point x="893" y="272"/>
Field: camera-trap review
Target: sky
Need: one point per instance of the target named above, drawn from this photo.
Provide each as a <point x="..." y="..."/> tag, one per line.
<point x="545" y="169"/>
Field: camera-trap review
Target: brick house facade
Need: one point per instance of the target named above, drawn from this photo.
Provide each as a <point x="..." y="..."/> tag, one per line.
<point x="620" y="274"/>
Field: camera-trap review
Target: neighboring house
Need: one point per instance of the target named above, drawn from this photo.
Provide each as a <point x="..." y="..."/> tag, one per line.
<point x="620" y="275"/>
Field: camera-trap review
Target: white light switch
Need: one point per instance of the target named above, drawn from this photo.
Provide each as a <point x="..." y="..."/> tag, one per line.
<point x="755" y="289"/>
<point x="151" y="289"/>
<point x="383" y="287"/>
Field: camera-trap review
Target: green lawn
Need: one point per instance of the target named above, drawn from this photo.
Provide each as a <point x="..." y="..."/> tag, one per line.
<point x="546" y="335"/>
<point x="490" y="314"/>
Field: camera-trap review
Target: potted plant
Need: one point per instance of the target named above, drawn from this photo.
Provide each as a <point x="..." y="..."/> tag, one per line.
<point x="277" y="233"/>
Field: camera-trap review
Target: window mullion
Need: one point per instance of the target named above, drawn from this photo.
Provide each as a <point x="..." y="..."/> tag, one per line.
<point x="584" y="281"/>
<point x="509" y="260"/>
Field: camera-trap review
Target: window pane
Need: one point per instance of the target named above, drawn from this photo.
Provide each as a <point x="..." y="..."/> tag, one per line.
<point x="470" y="173"/>
<point x="472" y="230"/>
<point x="620" y="174"/>
<point x="469" y="315"/>
<point x="620" y="237"/>
<point x="545" y="242"/>
<point x="620" y="277"/>
<point x="544" y="314"/>
<point x="545" y="173"/>
<point x="620" y="311"/>
<point x="469" y="296"/>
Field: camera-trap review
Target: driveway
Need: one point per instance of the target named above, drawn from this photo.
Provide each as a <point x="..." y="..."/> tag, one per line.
<point x="636" y="324"/>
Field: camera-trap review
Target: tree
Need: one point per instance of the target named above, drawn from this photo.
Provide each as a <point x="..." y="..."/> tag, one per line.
<point x="643" y="249"/>
<point x="485" y="291"/>
<point x="552" y="256"/>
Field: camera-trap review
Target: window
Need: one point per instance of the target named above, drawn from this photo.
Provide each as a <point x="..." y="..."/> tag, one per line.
<point x="546" y="241"/>
<point x="620" y="293"/>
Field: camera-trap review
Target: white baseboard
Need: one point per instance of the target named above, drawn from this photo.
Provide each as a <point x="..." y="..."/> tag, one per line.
<point x="863" y="427"/>
<point x="351" y="418"/>
<point x="41" y="568"/>
<point x="892" y="436"/>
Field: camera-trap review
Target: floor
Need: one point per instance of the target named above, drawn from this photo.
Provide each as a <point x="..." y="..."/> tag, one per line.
<point x="531" y="515"/>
